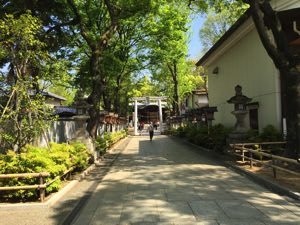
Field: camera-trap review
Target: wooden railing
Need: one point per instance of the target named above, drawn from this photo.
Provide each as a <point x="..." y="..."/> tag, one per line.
<point x="242" y="149"/>
<point x="41" y="186"/>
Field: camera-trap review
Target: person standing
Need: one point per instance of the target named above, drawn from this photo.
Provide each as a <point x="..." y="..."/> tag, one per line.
<point x="151" y="131"/>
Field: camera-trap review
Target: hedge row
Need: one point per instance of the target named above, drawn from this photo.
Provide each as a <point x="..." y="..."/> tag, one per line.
<point x="108" y="139"/>
<point x="56" y="160"/>
<point x="215" y="137"/>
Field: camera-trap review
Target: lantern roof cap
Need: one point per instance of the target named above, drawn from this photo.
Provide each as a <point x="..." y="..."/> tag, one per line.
<point x="239" y="98"/>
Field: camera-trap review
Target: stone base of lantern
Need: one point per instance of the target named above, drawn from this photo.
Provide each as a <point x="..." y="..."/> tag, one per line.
<point x="240" y="129"/>
<point x="236" y="138"/>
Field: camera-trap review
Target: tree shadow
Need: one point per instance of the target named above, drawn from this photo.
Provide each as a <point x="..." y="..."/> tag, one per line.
<point x="167" y="181"/>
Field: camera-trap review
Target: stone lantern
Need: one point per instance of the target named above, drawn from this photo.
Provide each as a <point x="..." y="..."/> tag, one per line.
<point x="81" y="105"/>
<point x="240" y="112"/>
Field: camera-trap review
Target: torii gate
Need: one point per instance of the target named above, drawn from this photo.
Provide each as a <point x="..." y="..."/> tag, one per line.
<point x="147" y="100"/>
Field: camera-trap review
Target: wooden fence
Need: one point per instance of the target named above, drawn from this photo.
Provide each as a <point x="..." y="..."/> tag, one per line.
<point x="41" y="186"/>
<point x="247" y="151"/>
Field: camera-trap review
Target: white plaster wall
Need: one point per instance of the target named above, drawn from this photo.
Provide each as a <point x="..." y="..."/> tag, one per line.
<point x="246" y="64"/>
<point x="201" y="101"/>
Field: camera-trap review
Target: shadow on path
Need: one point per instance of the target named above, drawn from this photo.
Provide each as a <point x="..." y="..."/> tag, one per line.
<point x="170" y="182"/>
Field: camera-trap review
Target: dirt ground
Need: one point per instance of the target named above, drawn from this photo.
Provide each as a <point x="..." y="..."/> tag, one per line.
<point x="284" y="179"/>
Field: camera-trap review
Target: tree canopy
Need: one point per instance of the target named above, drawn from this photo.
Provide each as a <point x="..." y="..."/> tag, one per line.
<point x="101" y="48"/>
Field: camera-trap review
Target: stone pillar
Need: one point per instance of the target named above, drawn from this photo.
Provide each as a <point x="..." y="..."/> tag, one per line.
<point x="160" y="116"/>
<point x="135" y="117"/>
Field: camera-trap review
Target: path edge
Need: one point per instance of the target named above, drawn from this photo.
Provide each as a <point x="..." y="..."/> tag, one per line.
<point x="275" y="188"/>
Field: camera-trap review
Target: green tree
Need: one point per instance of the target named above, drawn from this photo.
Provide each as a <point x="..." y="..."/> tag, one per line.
<point x="188" y="78"/>
<point x="143" y="87"/>
<point x="98" y="22"/>
<point x="124" y="57"/>
<point x="24" y="114"/>
<point x="168" y="48"/>
<point x="218" y="20"/>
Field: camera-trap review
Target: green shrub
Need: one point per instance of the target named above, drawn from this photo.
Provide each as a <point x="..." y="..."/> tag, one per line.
<point x="108" y="139"/>
<point x="55" y="160"/>
<point x="191" y="132"/>
<point x="253" y="135"/>
<point x="218" y="134"/>
<point x="201" y="137"/>
<point x="270" y="133"/>
<point x="214" y="139"/>
<point x="171" y="131"/>
<point x="181" y="132"/>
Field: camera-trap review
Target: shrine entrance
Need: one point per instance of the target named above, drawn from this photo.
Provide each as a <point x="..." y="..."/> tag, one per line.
<point x="148" y="109"/>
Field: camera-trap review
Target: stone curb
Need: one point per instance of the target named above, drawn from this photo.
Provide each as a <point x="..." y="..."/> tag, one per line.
<point x="58" y="195"/>
<point x="275" y="188"/>
<point x="72" y="216"/>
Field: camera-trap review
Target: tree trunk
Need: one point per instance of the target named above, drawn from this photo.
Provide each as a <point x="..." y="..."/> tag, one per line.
<point x="117" y="99"/>
<point x="96" y="44"/>
<point x="293" y="112"/>
<point x="174" y="73"/>
<point x="95" y="96"/>
<point x="106" y="101"/>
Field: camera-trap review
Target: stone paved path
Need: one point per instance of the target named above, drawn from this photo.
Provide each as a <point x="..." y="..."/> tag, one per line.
<point x="167" y="182"/>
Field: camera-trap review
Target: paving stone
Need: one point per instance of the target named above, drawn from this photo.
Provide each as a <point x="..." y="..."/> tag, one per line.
<point x="280" y="223"/>
<point x="207" y="210"/>
<point x="150" y="194"/>
<point x="239" y="209"/>
<point x="137" y="211"/>
<point x="203" y="222"/>
<point x="292" y="208"/>
<point x="176" y="212"/>
<point x="106" y="214"/>
<point x="283" y="217"/>
<point x="272" y="211"/>
<point x="181" y="195"/>
<point x="240" y="222"/>
<point x="164" y="182"/>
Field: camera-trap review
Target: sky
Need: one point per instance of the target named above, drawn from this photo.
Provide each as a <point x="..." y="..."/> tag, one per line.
<point x="195" y="44"/>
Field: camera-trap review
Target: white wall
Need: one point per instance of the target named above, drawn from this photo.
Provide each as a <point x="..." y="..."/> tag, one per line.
<point x="201" y="101"/>
<point x="247" y="64"/>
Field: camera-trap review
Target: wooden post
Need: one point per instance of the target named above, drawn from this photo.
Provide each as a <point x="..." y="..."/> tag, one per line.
<point x="42" y="189"/>
<point x="274" y="169"/>
<point x="251" y="161"/>
<point x="243" y="154"/>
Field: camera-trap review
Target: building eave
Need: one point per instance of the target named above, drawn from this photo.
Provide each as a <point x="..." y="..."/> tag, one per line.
<point x="52" y="95"/>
